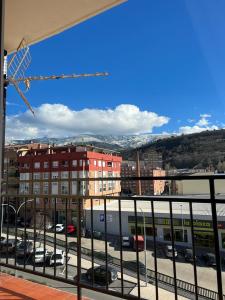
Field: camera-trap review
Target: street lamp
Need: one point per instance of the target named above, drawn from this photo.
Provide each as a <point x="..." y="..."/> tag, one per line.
<point x="146" y="277"/>
<point x="15" y="211"/>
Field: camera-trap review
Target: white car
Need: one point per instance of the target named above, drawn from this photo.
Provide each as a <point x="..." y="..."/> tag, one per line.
<point x="169" y="251"/>
<point x="59" y="228"/>
<point x="57" y="258"/>
<point x="40" y="255"/>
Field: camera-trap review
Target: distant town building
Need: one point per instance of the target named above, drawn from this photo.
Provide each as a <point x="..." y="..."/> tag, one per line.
<point x="56" y="171"/>
<point x="148" y="187"/>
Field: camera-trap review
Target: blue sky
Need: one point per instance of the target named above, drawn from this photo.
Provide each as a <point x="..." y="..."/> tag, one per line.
<point x="166" y="61"/>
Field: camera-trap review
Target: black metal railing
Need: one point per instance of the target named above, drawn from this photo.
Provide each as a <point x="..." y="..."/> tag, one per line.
<point x="99" y="224"/>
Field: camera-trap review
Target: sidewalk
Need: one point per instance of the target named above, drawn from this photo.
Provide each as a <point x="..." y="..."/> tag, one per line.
<point x="19" y="289"/>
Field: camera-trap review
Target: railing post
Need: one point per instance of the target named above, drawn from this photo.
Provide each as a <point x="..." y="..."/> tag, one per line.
<point x="216" y="239"/>
<point x="79" y="224"/>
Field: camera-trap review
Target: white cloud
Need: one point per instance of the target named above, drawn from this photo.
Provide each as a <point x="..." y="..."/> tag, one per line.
<point x="201" y="125"/>
<point x="58" y="120"/>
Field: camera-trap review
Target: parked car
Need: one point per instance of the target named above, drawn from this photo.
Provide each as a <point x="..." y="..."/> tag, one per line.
<point x="169" y="251"/>
<point x="40" y="255"/>
<point x="101" y="275"/>
<point x="71" y="229"/>
<point x="57" y="258"/>
<point x="209" y="259"/>
<point x="126" y="241"/>
<point x="24" y="248"/>
<point x="9" y="246"/>
<point x="58" y="228"/>
<point x="188" y="255"/>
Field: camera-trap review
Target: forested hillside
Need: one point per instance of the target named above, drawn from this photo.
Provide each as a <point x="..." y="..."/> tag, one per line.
<point x="199" y="150"/>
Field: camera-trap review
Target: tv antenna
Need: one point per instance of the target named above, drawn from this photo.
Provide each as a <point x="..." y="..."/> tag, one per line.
<point x="17" y="67"/>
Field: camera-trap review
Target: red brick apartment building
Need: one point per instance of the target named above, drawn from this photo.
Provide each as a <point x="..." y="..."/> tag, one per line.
<point x="55" y="170"/>
<point x="148" y="187"/>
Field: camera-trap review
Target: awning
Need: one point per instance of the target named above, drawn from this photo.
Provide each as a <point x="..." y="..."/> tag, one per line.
<point x="36" y="20"/>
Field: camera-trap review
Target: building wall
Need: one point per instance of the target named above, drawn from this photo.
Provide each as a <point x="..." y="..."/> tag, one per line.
<point x="148" y="187"/>
<point x="198" y="187"/>
<point x="56" y="171"/>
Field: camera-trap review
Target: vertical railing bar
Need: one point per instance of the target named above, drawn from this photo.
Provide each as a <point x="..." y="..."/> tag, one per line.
<point x="193" y="251"/>
<point x="121" y="246"/>
<point x="7" y="234"/>
<point x="155" y="251"/>
<point x="44" y="264"/>
<point x="216" y="239"/>
<point x="66" y="238"/>
<point x="137" y="253"/>
<point x="16" y="233"/>
<point x="92" y="244"/>
<point x="34" y="232"/>
<point x="173" y="249"/>
<point x="54" y="236"/>
<point x="79" y="290"/>
<point x="106" y="246"/>
<point x="25" y="233"/>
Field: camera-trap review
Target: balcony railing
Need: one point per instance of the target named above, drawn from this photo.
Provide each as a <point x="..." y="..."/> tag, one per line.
<point x="180" y="220"/>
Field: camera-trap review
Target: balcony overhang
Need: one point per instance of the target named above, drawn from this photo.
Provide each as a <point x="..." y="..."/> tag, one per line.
<point x="37" y="20"/>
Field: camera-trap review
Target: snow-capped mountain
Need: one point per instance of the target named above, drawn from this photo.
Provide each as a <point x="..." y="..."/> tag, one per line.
<point x="116" y="142"/>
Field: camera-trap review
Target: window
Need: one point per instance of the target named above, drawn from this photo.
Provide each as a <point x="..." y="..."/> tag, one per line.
<point x="95" y="163"/>
<point x="64" y="174"/>
<point x="74" y="174"/>
<point x="54" y="188"/>
<point x="37" y="165"/>
<point x="45" y="188"/>
<point x="36" y="176"/>
<point x="99" y="163"/>
<point x="46" y="164"/>
<point x="179" y="235"/>
<point x="64" y="188"/>
<point x="45" y="175"/>
<point x="55" y="164"/>
<point x="109" y="164"/>
<point x="24" y="188"/>
<point x="64" y="163"/>
<point x="74" y="163"/>
<point x="80" y="162"/>
<point x="103" y="163"/>
<point x="74" y="188"/>
<point x="55" y="175"/>
<point x="24" y="176"/>
<point x="36" y="188"/>
<point x="87" y="162"/>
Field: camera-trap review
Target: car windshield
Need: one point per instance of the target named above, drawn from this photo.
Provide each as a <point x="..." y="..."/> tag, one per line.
<point x="39" y="253"/>
<point x="56" y="256"/>
<point x="25" y="244"/>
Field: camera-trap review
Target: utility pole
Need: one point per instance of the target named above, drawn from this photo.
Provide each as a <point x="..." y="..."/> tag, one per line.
<point x="138" y="173"/>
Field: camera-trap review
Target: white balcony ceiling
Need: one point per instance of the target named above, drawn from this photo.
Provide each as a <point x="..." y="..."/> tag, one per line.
<point x="36" y="20"/>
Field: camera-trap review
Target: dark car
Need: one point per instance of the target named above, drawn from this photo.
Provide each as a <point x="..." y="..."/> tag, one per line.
<point x="24" y="248"/>
<point x="188" y="255"/>
<point x="9" y="246"/>
<point x="209" y="259"/>
<point x="132" y="266"/>
<point x="101" y="275"/>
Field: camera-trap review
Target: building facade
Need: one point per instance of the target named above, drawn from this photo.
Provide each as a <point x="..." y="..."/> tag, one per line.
<point x="148" y="187"/>
<point x="53" y="175"/>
